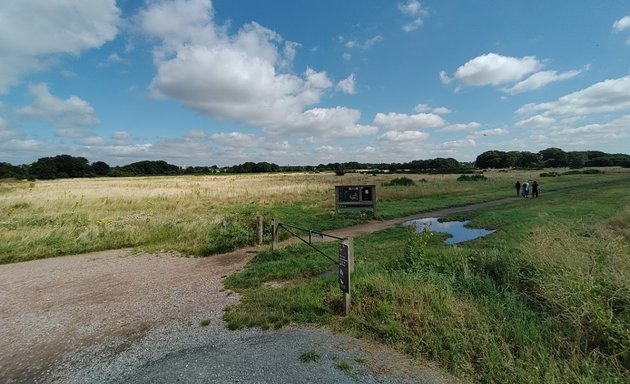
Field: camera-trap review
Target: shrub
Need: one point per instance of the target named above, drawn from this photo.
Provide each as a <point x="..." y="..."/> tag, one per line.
<point x="549" y="174"/>
<point x="400" y="182"/>
<point x="471" y="178"/>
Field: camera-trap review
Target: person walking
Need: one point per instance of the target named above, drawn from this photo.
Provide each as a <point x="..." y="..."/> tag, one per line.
<point x="525" y="189"/>
<point x="534" y="189"/>
<point x="518" y="188"/>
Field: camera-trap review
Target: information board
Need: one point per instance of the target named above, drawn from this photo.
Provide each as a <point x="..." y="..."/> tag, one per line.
<point x="355" y="196"/>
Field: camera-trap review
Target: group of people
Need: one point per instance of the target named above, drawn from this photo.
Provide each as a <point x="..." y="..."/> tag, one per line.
<point x="523" y="189"/>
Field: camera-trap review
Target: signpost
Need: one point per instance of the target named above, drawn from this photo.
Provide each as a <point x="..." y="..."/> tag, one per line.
<point x="346" y="265"/>
<point x="355" y="196"/>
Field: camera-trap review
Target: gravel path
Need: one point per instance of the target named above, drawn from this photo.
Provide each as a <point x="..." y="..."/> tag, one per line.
<point x="116" y="316"/>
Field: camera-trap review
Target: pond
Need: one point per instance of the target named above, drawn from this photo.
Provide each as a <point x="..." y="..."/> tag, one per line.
<point x="457" y="229"/>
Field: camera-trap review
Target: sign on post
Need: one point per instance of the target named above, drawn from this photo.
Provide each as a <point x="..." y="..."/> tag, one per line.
<point x="346" y="265"/>
<point x="355" y="196"/>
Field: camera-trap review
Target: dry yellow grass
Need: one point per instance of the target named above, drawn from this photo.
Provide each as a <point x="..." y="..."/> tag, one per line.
<point x="48" y="218"/>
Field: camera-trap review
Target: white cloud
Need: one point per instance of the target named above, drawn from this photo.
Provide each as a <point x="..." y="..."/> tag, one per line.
<point x="236" y="139"/>
<point x="491" y="132"/>
<point x="461" y="127"/>
<point x="412" y="26"/>
<point x="456" y="144"/>
<point x="347" y="85"/>
<point x="404" y="122"/>
<point x="493" y="69"/>
<point x="94" y="141"/>
<point x="33" y="31"/>
<point x="537" y="121"/>
<point x="539" y="80"/>
<point x="420" y="108"/>
<point x="369" y="43"/>
<point x="586" y="136"/>
<point x="329" y="150"/>
<point x="121" y="137"/>
<point x="408" y="137"/>
<point x="352" y="43"/>
<point x="426" y="108"/>
<point x="444" y="78"/>
<point x="621" y="24"/>
<point x="240" y="77"/>
<point x="441" y="110"/>
<point x="414" y="9"/>
<point x="68" y="116"/>
<point x="324" y="122"/>
<point x="607" y="96"/>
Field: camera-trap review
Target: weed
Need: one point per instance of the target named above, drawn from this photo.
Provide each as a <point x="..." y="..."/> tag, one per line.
<point x="310" y="357"/>
<point x="344" y="367"/>
<point x="204" y="322"/>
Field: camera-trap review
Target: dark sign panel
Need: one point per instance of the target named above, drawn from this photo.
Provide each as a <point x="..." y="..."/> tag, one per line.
<point x="355" y="196"/>
<point x="344" y="272"/>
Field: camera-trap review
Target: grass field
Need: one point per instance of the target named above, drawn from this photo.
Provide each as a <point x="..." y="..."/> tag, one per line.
<point x="544" y="299"/>
<point x="207" y="214"/>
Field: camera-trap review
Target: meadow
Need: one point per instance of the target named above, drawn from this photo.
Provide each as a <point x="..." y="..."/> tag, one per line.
<point x="203" y="215"/>
<point x="546" y="298"/>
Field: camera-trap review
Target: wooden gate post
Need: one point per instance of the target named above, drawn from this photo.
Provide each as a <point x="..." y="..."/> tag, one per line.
<point x="274" y="234"/>
<point x="260" y="229"/>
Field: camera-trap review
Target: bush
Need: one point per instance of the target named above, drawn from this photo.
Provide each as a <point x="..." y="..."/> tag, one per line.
<point x="549" y="174"/>
<point x="400" y="182"/>
<point x="471" y="178"/>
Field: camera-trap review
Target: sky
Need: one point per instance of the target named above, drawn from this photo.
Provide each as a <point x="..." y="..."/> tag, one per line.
<point x="296" y="82"/>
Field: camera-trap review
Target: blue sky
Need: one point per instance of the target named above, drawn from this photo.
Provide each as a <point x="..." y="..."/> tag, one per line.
<point x="200" y="82"/>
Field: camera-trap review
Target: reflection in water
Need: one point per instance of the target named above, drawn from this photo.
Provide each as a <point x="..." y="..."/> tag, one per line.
<point x="457" y="229"/>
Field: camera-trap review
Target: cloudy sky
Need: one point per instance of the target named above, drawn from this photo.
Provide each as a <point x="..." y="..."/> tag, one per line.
<point x="297" y="82"/>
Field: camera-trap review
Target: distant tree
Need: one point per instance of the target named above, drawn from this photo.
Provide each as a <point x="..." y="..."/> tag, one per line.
<point x="554" y="157"/>
<point x="528" y="160"/>
<point x="490" y="159"/>
<point x="576" y="160"/>
<point x="44" y="169"/>
<point x="100" y="168"/>
<point x="9" y="171"/>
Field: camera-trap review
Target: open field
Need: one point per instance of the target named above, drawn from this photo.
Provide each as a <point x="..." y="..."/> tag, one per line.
<point x="209" y="214"/>
<point x="544" y="299"/>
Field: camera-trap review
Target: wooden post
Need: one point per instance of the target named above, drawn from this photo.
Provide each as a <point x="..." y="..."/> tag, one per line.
<point x="260" y="229"/>
<point x="350" y="255"/>
<point x="346" y="260"/>
<point x="274" y="234"/>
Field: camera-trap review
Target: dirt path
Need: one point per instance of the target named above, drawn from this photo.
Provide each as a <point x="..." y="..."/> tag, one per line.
<point x="98" y="305"/>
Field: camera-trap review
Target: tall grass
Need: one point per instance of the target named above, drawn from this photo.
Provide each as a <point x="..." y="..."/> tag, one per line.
<point x="546" y="298"/>
<point x="201" y="215"/>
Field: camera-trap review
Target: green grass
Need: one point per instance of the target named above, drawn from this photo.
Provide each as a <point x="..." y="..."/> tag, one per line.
<point x="310" y="357"/>
<point x="546" y="298"/>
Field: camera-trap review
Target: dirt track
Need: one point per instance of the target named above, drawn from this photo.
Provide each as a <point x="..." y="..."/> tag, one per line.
<point x="51" y="309"/>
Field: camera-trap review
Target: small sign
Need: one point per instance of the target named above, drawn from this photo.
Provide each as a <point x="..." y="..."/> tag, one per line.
<point x="355" y="196"/>
<point x="344" y="270"/>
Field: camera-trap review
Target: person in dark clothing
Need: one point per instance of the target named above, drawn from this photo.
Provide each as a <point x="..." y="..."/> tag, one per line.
<point x="518" y="188"/>
<point x="535" y="189"/>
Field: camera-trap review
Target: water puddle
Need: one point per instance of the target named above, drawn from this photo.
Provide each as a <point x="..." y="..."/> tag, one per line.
<point x="457" y="229"/>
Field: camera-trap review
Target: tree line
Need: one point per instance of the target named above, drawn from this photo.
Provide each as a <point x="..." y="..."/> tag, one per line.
<point x="66" y="166"/>
<point x="551" y="158"/>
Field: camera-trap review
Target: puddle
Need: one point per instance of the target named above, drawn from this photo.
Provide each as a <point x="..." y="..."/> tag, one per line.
<point x="457" y="229"/>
